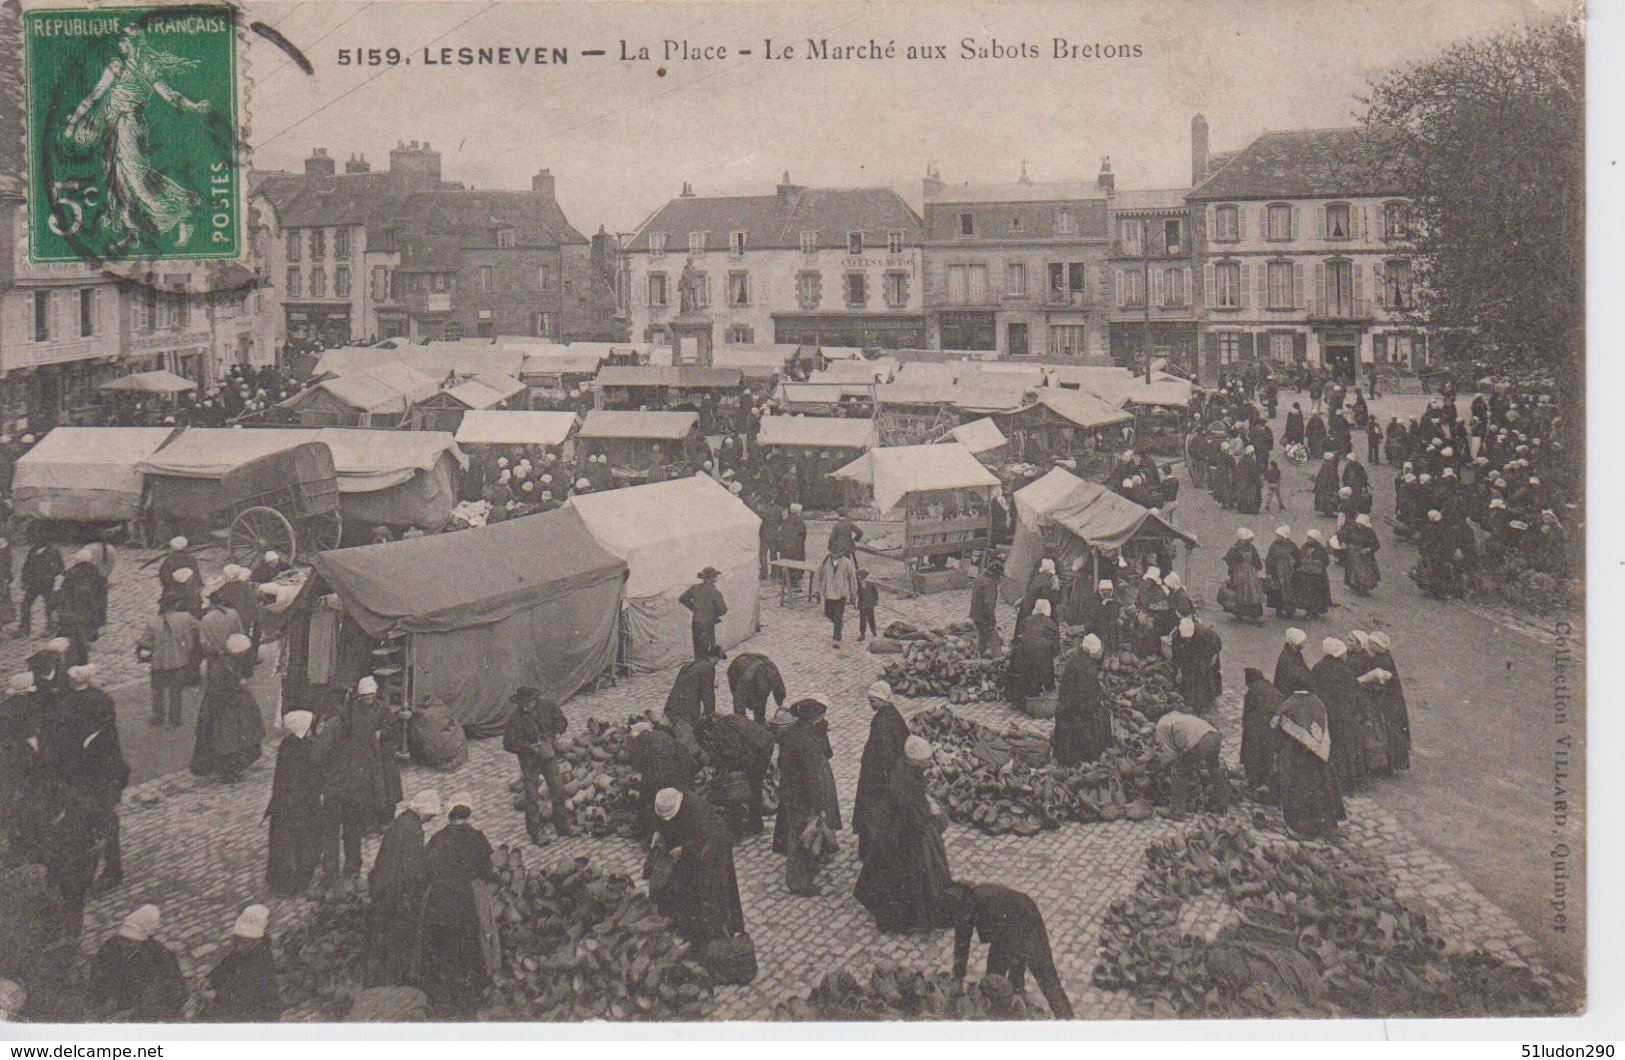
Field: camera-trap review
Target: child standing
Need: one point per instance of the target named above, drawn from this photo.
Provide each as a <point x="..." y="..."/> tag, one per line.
<point x="1272" y="477"/>
<point x="868" y="600"/>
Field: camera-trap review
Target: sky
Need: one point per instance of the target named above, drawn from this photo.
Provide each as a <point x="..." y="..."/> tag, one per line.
<point x="621" y="137"/>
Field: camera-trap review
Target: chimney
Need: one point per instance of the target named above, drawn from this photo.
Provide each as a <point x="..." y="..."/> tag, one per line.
<point x="788" y="191"/>
<point x="1106" y="181"/>
<point x="542" y="184"/>
<point x="687" y="192"/>
<point x="416" y="164"/>
<point x="358" y="164"/>
<point x="319" y="164"/>
<point x="1198" y="149"/>
<point x="933" y="180"/>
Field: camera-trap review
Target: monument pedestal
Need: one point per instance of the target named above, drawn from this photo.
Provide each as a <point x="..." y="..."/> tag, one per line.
<point x="691" y="338"/>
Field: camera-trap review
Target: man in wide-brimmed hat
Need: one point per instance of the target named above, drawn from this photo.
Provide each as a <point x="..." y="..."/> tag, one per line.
<point x="984" y="604"/>
<point x="706" y="606"/>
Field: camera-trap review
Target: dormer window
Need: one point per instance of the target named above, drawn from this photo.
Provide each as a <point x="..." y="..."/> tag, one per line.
<point x="507" y="238"/>
<point x="967" y="224"/>
<point x="1066" y="223"/>
<point x="809" y="242"/>
<point x="736" y="244"/>
<point x="657" y="244"/>
<point x="696" y="242"/>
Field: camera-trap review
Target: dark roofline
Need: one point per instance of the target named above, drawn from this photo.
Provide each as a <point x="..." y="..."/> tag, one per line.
<point x="1196" y="193"/>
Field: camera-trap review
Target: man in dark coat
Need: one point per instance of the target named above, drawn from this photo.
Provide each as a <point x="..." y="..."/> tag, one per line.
<point x="752" y="678"/>
<point x="81" y="748"/>
<point x="806" y="790"/>
<point x="984" y="603"/>
<point x="451" y="952"/>
<point x="793" y="540"/>
<point x="244" y="982"/>
<point x="905" y="881"/>
<point x="706" y="608"/>
<point x="395" y="887"/>
<point x="353" y="784"/>
<point x="1280" y="562"/>
<point x="1083" y="716"/>
<point x="844" y="535"/>
<point x="740" y="749"/>
<point x="1257" y="737"/>
<point x="534" y="726"/>
<point x="693" y="696"/>
<point x="662" y="761"/>
<point x="1326" y="485"/>
<point x="135" y="977"/>
<point x="881" y="753"/>
<point x="1291" y="672"/>
<point x="1196" y="649"/>
<point x="41" y="568"/>
<point x="1009" y="922"/>
<point x="702" y="897"/>
<point x="295" y="809"/>
<point x="81" y="606"/>
<point x="1335" y="685"/>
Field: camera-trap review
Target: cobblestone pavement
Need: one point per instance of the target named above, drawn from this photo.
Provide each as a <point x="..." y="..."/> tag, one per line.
<point x="198" y="848"/>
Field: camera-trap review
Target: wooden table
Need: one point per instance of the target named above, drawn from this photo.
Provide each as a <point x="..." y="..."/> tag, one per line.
<point x="781" y="571"/>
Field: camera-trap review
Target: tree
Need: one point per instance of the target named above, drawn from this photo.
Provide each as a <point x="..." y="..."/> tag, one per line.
<point x="1488" y="139"/>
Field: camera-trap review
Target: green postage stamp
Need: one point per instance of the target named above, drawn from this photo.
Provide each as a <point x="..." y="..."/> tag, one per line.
<point x="132" y="129"/>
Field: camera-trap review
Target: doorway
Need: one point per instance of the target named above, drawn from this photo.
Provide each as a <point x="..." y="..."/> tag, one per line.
<point x="1340" y="359"/>
<point x="1016" y="340"/>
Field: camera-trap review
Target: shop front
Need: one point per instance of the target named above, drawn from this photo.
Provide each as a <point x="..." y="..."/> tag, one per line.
<point x="1174" y="341"/>
<point x="898" y="331"/>
<point x="323" y="323"/>
<point x="968" y="330"/>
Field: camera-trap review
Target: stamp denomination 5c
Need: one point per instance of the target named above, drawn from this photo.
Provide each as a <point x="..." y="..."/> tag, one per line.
<point x="132" y="126"/>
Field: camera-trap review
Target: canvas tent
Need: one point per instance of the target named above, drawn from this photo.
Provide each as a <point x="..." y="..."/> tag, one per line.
<point x="378" y="396"/>
<point x="532" y="602"/>
<point x="397" y="478"/>
<point x="895" y="473"/>
<point x="159" y="382"/>
<point x="87" y="474"/>
<point x="500" y="427"/>
<point x="437" y="360"/>
<point x="979" y="436"/>
<point x="667" y="532"/>
<point x="1063" y="516"/>
<point x="817" y="432"/>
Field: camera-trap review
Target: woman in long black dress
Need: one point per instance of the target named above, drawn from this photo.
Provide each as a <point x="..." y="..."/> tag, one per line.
<point x="1304" y="784"/>
<point x="1390" y="700"/>
<point x="452" y="962"/>
<point x="1083" y="716"/>
<point x="905" y="882"/>
<point x="229" y="727"/>
<point x="1032" y="663"/>
<point x="295" y="809"/>
<point x="702" y="898"/>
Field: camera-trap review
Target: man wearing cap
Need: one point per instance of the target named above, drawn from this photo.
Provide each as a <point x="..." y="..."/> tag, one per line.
<point x="844" y="535"/>
<point x="752" y="678"/>
<point x="1291" y="672"/>
<point x="1335" y="685"/>
<point x="354" y="788"/>
<point x="661" y="761"/>
<point x="81" y="605"/>
<point x="836" y="584"/>
<point x="881" y="754"/>
<point x="452" y="960"/>
<point x="41" y="568"/>
<point x="1008" y="922"/>
<point x="984" y="604"/>
<point x="706" y="608"/>
<point x="169" y="646"/>
<point x="80" y="745"/>
<point x="395" y="887"/>
<point x="136" y="978"/>
<point x="534" y="727"/>
<point x="229" y="727"/>
<point x="243" y="984"/>
<point x="905" y="881"/>
<point x="702" y="899"/>
<point x="295" y="810"/>
<point x="1083" y="720"/>
<point x="1190" y="746"/>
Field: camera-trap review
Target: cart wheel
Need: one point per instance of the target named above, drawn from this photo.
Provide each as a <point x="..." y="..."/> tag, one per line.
<point x="257" y="531"/>
<point x="321" y="533"/>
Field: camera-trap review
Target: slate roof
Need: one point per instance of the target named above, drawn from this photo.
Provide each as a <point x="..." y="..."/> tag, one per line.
<point x="1053" y="191"/>
<point x="1302" y="164"/>
<point x="446" y="216"/>
<point x="776" y="222"/>
<point x="1150" y="199"/>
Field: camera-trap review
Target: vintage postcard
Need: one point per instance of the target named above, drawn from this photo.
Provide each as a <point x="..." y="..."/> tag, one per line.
<point x="544" y="512"/>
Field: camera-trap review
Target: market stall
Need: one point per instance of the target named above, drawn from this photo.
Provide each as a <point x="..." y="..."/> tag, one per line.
<point x="818" y="446"/>
<point x="638" y="443"/>
<point x="1064" y="517"/>
<point x="85" y="474"/>
<point x="381" y="396"/>
<point x="551" y="431"/>
<point x="1061" y="423"/>
<point x="667" y="532"/>
<point x="981" y="437"/>
<point x="825" y="399"/>
<point x="385" y="478"/>
<point x="714" y="393"/>
<point x="443" y="362"/>
<point x="444" y="411"/>
<point x="941" y="496"/>
<point x="633" y="387"/>
<point x="533" y="601"/>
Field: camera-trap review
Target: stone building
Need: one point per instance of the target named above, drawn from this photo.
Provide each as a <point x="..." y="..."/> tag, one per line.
<point x="1153" y="273"/>
<point x="1019" y="268"/>
<point x="826" y="266"/>
<point x="1304" y="254"/>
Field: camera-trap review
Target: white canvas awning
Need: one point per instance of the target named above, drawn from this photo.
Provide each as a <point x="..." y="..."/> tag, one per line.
<point x="979" y="436"/>
<point x="894" y="473"/>
<point x="830" y="432"/>
<point x="497" y="427"/>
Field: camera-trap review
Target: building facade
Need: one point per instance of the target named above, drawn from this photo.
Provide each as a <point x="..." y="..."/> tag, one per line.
<point x="1021" y="269"/>
<point x="363" y="255"/>
<point x="831" y="267"/>
<point x="1304" y="256"/>
<point x="1153" y="264"/>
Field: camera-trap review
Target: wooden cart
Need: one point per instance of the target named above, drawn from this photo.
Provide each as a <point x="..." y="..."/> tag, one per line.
<point x="286" y="502"/>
